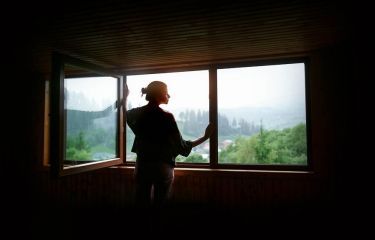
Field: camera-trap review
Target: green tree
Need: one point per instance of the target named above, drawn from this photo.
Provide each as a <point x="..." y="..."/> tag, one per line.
<point x="244" y="127"/>
<point x="246" y="153"/>
<point x="192" y="158"/>
<point x="287" y="146"/>
<point x="74" y="154"/>
<point x="234" y="123"/>
<point x="81" y="143"/>
<point x="297" y="139"/>
<point x="230" y="153"/>
<point x="262" y="150"/>
<point x="77" y="147"/>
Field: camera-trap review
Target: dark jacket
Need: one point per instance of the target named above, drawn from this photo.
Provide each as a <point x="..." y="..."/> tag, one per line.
<point x="157" y="138"/>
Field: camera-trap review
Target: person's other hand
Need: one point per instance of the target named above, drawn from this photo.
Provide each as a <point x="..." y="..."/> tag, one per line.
<point x="126" y="90"/>
<point x="125" y="95"/>
<point x="209" y="130"/>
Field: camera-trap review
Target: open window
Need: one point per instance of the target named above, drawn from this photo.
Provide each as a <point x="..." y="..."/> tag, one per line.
<point x="86" y="121"/>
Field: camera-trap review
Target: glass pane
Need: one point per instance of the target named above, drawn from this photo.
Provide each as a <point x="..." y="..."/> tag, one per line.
<point x="262" y="115"/>
<point x="188" y="103"/>
<point x="91" y="126"/>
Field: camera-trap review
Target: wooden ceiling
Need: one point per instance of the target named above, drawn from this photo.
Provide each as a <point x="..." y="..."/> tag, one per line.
<point x="124" y="35"/>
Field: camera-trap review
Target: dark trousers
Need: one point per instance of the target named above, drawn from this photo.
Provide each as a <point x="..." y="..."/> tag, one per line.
<point x="153" y="183"/>
<point x="153" y="187"/>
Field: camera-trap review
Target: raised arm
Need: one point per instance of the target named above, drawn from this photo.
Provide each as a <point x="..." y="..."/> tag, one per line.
<point x="125" y="97"/>
<point x="209" y="130"/>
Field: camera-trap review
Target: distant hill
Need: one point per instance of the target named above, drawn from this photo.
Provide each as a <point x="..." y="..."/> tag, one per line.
<point x="272" y="118"/>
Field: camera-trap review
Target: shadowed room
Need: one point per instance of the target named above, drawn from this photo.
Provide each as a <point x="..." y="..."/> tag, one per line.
<point x="270" y="76"/>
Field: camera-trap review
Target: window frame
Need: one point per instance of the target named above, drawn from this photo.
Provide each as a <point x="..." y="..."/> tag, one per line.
<point x="58" y="116"/>
<point x="280" y="61"/>
<point x="213" y="112"/>
<point x="172" y="70"/>
<point x="56" y="126"/>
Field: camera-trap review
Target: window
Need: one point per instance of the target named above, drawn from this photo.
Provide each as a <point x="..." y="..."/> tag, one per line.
<point x="189" y="103"/>
<point x="85" y="118"/>
<point x="91" y="124"/>
<point x="262" y="115"/>
<point x="260" y="112"/>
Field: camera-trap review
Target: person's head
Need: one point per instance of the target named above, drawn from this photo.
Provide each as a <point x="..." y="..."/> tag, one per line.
<point x="156" y="92"/>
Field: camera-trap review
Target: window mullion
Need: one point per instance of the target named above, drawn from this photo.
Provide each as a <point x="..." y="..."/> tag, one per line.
<point x="213" y="116"/>
<point x="121" y="117"/>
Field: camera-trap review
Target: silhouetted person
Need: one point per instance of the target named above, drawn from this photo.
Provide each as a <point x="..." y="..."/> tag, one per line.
<point x="157" y="143"/>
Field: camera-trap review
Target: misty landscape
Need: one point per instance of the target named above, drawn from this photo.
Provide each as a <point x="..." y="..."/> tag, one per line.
<point x="261" y="115"/>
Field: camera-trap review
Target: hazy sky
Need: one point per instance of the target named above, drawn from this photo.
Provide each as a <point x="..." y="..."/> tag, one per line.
<point x="187" y="89"/>
<point x="100" y="91"/>
<point x="262" y="86"/>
